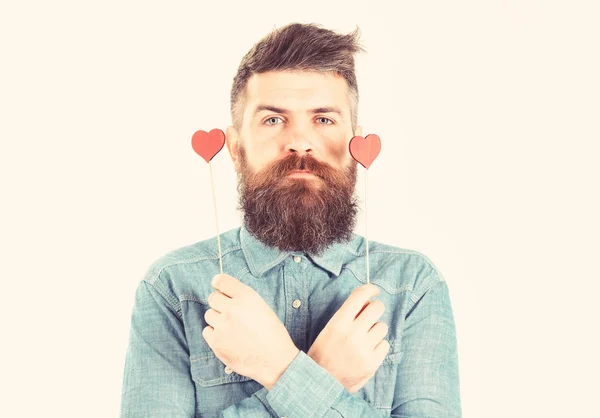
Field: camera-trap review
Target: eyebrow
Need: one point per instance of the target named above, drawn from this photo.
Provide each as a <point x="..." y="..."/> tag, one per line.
<point x="327" y="109"/>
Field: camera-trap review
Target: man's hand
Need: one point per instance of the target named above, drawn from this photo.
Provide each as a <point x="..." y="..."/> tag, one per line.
<point x="245" y="333"/>
<point x="351" y="346"/>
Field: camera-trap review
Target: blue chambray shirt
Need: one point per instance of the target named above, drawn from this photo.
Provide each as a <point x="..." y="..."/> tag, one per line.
<point x="170" y="370"/>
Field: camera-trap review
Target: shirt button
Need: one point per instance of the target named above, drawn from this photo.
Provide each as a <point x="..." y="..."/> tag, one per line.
<point x="296" y="304"/>
<point x="297" y="258"/>
<point x="228" y="370"/>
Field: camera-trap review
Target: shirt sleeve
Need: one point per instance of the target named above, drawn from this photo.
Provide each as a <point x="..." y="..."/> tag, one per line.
<point x="156" y="380"/>
<point x="304" y="390"/>
<point x="427" y="382"/>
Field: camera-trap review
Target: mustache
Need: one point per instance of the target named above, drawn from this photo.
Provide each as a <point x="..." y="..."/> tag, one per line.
<point x="293" y="162"/>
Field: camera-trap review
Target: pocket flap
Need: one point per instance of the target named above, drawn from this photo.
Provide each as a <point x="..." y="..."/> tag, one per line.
<point x="208" y="370"/>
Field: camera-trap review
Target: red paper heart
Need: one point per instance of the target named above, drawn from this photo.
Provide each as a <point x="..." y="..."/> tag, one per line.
<point x="207" y="145"/>
<point x="365" y="150"/>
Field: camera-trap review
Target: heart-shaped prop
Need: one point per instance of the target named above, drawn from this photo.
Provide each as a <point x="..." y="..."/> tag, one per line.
<point x="365" y="150"/>
<point x="208" y="144"/>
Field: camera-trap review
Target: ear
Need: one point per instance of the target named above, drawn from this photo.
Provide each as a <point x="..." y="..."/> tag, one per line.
<point x="358" y="131"/>
<point x="232" y="139"/>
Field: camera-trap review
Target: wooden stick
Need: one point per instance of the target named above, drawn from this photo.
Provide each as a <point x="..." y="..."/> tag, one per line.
<point x="216" y="216"/>
<point x="366" y="224"/>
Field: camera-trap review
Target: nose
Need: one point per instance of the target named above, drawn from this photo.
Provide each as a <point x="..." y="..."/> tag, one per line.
<point x="299" y="143"/>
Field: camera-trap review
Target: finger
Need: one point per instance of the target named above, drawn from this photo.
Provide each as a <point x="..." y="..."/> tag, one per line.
<point x="362" y="309"/>
<point x="212" y="318"/>
<point x="218" y="301"/>
<point x="377" y="333"/>
<point x="381" y="350"/>
<point x="370" y="315"/>
<point x="207" y="334"/>
<point x="356" y="301"/>
<point x="227" y="285"/>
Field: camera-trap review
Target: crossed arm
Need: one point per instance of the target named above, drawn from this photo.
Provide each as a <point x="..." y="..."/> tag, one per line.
<point x="157" y="379"/>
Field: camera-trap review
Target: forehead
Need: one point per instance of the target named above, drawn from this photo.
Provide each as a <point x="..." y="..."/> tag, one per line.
<point x="297" y="90"/>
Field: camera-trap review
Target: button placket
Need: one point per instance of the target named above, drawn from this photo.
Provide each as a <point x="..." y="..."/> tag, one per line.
<point x="297" y="302"/>
<point x="297" y="295"/>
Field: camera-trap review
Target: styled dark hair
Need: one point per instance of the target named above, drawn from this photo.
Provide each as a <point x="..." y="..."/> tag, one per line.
<point x="301" y="47"/>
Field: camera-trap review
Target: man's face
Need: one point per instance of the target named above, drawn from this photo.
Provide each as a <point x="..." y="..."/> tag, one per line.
<point x="296" y="176"/>
<point x="301" y="112"/>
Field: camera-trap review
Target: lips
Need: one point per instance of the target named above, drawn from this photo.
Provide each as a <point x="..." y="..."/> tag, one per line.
<point x="304" y="172"/>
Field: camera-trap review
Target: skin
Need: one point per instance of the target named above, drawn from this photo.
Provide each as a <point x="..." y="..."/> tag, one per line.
<point x="243" y="330"/>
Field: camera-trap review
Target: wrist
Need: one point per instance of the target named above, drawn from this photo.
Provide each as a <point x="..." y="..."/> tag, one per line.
<point x="279" y="369"/>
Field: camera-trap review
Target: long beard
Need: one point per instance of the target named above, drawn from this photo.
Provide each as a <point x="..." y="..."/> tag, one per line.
<point x="298" y="214"/>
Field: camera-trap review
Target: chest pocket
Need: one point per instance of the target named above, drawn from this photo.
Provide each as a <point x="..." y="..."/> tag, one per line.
<point x="216" y="389"/>
<point x="379" y="391"/>
<point x="207" y="370"/>
<point x="205" y="367"/>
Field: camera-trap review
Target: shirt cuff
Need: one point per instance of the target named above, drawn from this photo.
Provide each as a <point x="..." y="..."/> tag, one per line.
<point x="305" y="389"/>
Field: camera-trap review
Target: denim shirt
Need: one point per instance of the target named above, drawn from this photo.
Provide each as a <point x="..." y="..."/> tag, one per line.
<point x="170" y="370"/>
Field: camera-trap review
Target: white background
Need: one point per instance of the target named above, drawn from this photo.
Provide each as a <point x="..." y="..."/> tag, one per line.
<point x="488" y="114"/>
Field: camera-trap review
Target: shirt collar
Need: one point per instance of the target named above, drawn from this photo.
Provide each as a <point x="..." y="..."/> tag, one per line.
<point x="261" y="258"/>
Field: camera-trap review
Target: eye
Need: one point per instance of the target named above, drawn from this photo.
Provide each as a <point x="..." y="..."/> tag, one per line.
<point x="272" y="118"/>
<point x="326" y="119"/>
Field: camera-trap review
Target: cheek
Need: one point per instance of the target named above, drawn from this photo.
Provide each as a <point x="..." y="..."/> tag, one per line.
<point x="260" y="157"/>
<point x="339" y="152"/>
<point x="265" y="146"/>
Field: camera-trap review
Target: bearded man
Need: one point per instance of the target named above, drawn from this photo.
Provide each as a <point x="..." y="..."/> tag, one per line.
<point x="290" y="329"/>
